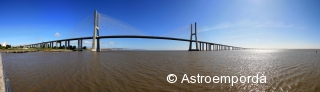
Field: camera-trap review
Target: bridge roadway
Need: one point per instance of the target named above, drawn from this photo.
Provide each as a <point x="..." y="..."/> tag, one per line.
<point x="209" y="45"/>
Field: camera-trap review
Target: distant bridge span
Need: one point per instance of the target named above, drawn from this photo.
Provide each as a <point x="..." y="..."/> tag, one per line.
<point x="203" y="44"/>
<point x="200" y="45"/>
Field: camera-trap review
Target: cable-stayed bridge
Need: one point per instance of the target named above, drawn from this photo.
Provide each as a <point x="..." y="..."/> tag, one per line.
<point x="128" y="32"/>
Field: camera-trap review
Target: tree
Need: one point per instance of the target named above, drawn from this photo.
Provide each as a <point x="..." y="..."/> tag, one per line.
<point x="84" y="47"/>
<point x="62" y="47"/>
<point x="8" y="46"/>
<point x="74" y="47"/>
<point x="70" y="47"/>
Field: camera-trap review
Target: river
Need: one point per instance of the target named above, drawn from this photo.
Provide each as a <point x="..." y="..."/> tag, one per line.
<point x="284" y="70"/>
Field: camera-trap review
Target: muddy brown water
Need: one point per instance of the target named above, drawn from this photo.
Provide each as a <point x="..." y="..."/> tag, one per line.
<point x="285" y="70"/>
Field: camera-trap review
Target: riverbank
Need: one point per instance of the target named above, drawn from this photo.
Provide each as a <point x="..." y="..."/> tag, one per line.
<point x="2" y="83"/>
<point x="33" y="50"/>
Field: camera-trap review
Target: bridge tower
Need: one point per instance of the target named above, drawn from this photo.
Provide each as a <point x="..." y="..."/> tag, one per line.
<point x="96" y="33"/>
<point x="196" y="38"/>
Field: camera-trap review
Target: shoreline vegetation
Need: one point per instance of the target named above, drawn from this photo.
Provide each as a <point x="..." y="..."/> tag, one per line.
<point x="20" y="50"/>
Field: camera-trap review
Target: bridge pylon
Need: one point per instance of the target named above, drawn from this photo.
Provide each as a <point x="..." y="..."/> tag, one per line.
<point x="96" y="33"/>
<point x="196" y="38"/>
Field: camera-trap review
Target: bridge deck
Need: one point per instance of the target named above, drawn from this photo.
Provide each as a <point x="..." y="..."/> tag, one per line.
<point x="133" y="36"/>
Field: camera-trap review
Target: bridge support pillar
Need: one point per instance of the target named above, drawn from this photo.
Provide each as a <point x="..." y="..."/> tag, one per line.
<point x="202" y="46"/>
<point x="222" y="47"/>
<point x="69" y="44"/>
<point x="59" y="44"/>
<point x="65" y="44"/>
<point x="207" y="47"/>
<point x="79" y="44"/>
<point x="56" y="44"/>
<point x="51" y="44"/>
<point x="217" y="46"/>
<point x="213" y="49"/>
<point x="96" y="33"/>
<point x="98" y="45"/>
<point x="196" y="38"/>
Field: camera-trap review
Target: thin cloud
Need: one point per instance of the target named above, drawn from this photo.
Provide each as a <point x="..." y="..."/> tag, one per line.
<point x="111" y="42"/>
<point x="56" y="34"/>
<point x="238" y="36"/>
<point x="87" y="42"/>
<point x="218" y="26"/>
<point x="248" y="23"/>
<point x="274" y="24"/>
<point x="84" y="42"/>
<point x="73" y="42"/>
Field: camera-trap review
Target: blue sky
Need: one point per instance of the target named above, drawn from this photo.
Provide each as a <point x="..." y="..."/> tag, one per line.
<point x="243" y="23"/>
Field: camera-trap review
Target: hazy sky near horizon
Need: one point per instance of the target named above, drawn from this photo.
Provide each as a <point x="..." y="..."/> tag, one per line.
<point x="243" y="23"/>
